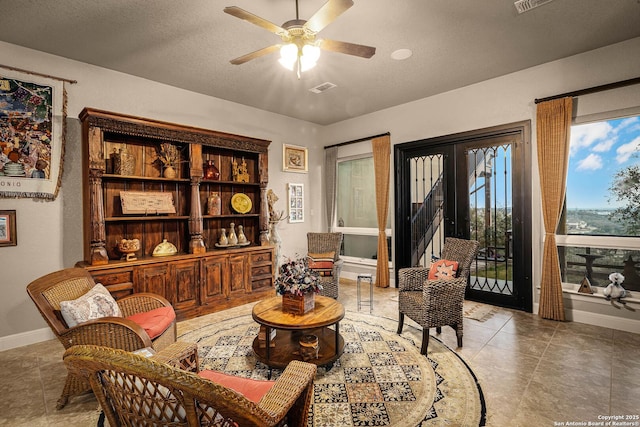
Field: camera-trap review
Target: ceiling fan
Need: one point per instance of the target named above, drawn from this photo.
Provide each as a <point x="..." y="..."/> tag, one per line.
<point x="300" y="48"/>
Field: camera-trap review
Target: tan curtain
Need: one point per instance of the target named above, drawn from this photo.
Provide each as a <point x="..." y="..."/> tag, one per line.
<point x="552" y="130"/>
<point x="381" y="159"/>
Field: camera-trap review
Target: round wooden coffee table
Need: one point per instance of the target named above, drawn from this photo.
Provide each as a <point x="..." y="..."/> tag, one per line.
<point x="290" y="328"/>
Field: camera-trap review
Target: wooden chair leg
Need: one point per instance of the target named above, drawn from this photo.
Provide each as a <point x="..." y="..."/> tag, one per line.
<point x="458" y="334"/>
<point x="425" y="341"/>
<point x="400" y="322"/>
<point x="439" y="329"/>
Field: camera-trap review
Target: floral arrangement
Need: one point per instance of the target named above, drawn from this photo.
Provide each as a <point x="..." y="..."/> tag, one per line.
<point x="168" y="154"/>
<point x="297" y="278"/>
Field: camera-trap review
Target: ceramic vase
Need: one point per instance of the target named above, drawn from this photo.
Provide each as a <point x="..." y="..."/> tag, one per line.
<point x="214" y="204"/>
<point x="169" y="172"/>
<point x="211" y="171"/>
<point x="233" y="238"/>
<point x="242" y="239"/>
<point x="223" y="241"/>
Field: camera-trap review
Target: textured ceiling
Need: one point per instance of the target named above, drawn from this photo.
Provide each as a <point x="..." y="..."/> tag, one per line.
<point x="455" y="43"/>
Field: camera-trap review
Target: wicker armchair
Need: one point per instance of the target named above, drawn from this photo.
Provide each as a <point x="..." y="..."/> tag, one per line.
<point x="323" y="243"/>
<point x="134" y="390"/>
<point x="436" y="303"/>
<point x="48" y="291"/>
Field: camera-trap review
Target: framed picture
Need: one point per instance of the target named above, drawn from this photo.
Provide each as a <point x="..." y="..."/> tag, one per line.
<point x="296" y="203"/>
<point x="8" y="235"/>
<point x="294" y="158"/>
<point x="32" y="123"/>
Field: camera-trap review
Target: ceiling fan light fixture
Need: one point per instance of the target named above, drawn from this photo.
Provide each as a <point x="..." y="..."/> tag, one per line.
<point x="288" y="55"/>
<point x="308" y="55"/>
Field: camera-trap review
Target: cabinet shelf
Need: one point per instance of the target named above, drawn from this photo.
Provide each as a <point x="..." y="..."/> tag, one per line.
<point x="108" y="176"/>
<point x="232" y="216"/>
<point x="230" y="183"/>
<point x="146" y="218"/>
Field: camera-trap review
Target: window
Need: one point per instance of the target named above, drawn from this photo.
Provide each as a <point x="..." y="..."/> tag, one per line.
<point x="600" y="228"/>
<point x="356" y="214"/>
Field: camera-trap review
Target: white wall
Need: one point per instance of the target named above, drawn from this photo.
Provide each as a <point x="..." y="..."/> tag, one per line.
<point x="504" y="100"/>
<point x="50" y="233"/>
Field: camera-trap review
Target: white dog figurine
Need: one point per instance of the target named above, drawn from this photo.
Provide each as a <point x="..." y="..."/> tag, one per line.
<point x="615" y="290"/>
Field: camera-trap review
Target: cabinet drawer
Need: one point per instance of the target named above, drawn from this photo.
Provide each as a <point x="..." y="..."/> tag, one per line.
<point x="261" y="284"/>
<point x="261" y="270"/>
<point x="261" y="257"/>
<point x="113" y="277"/>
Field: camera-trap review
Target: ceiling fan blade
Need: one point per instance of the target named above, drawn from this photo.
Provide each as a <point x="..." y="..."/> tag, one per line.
<point x="254" y="19"/>
<point x="253" y="55"/>
<point x="327" y="14"/>
<point x="348" y="48"/>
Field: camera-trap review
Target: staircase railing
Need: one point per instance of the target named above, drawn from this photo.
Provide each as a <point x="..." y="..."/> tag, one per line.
<point x="425" y="220"/>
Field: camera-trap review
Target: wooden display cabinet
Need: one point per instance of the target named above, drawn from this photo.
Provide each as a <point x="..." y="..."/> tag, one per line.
<point x="120" y="153"/>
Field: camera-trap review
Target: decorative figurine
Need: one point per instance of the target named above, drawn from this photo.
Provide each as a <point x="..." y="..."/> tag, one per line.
<point x="615" y="291"/>
<point x="240" y="173"/>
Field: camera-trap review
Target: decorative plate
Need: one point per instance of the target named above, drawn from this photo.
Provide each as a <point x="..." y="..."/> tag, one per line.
<point x="241" y="203"/>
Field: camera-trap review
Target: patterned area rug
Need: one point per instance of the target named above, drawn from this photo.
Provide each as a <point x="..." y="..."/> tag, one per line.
<point x="380" y="380"/>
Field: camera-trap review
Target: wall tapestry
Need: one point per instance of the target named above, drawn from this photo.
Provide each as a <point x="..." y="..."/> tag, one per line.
<point x="32" y="130"/>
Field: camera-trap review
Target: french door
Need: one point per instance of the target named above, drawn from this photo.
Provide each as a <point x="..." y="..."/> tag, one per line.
<point x="473" y="185"/>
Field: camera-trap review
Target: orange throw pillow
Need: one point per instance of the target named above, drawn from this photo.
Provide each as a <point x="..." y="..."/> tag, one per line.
<point x="155" y="321"/>
<point x="249" y="388"/>
<point x="443" y="270"/>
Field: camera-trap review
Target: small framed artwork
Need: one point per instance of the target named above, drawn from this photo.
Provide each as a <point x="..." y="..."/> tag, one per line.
<point x="294" y="158"/>
<point x="8" y="236"/>
<point x="296" y="203"/>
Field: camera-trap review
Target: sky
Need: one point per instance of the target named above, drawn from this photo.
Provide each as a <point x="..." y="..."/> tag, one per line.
<point x="598" y="151"/>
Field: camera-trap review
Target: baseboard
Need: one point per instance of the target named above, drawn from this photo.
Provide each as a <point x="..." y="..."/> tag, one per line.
<point x="597" y="319"/>
<point x="25" y="338"/>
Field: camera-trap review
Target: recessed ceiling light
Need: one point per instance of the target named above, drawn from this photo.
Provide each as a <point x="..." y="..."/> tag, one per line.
<point x="401" y="54"/>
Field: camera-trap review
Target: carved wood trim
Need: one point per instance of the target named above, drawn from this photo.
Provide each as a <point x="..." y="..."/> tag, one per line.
<point x="135" y="126"/>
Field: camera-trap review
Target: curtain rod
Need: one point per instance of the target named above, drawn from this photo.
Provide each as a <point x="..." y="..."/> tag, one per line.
<point x="601" y="88"/>
<point x="8" y="67"/>
<point x="357" y="140"/>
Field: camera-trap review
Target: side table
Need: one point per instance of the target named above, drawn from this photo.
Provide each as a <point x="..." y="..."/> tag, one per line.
<point x="181" y="355"/>
<point x="365" y="277"/>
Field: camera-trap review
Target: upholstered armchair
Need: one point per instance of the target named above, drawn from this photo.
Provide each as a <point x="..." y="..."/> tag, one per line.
<point x="130" y="332"/>
<point x="135" y="390"/>
<point x="319" y="245"/>
<point x="433" y="303"/>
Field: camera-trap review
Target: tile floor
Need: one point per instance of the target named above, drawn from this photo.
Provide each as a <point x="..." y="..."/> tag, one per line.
<point x="533" y="372"/>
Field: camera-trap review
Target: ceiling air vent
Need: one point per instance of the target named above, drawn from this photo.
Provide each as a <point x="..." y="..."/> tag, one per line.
<point x="322" y="87"/>
<point x="526" y="5"/>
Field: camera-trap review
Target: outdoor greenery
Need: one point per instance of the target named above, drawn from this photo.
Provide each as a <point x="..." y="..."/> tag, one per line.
<point x="626" y="188"/>
<point x="593" y="222"/>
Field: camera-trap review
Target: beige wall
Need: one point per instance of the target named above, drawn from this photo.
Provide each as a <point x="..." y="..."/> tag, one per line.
<point x="49" y="232"/>
<point x="510" y="99"/>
